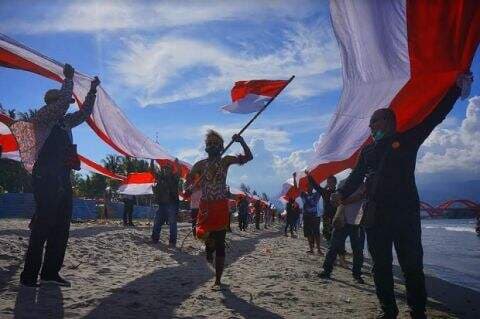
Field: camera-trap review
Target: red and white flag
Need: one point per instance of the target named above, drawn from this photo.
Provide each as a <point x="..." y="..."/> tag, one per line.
<point x="137" y="184"/>
<point x="107" y="119"/>
<point x="402" y="54"/>
<point x="251" y="96"/>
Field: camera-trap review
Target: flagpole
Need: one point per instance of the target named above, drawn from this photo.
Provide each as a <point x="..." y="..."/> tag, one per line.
<point x="258" y="113"/>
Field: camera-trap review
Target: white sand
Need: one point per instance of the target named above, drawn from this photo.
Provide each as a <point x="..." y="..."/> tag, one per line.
<point x="116" y="273"/>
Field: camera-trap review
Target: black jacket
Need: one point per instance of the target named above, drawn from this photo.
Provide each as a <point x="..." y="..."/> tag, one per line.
<point x="396" y="182"/>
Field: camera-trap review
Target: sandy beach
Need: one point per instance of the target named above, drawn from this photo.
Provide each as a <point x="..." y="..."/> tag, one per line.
<point x="117" y="273"/>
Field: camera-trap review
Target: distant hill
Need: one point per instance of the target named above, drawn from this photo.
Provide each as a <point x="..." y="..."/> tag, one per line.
<point x="436" y="193"/>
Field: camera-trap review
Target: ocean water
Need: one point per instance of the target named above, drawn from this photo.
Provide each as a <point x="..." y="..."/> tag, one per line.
<point x="452" y="251"/>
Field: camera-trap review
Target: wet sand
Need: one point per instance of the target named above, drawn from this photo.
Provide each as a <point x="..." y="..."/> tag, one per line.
<point x="117" y="273"/>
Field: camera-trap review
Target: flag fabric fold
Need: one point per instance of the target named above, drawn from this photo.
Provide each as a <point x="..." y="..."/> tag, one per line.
<point x="251" y="96"/>
<point x="10" y="150"/>
<point x="402" y="54"/>
<point x="107" y="120"/>
<point x="7" y="140"/>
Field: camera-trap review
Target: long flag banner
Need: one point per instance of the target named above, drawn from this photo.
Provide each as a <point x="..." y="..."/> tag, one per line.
<point x="107" y="120"/>
<point x="10" y="150"/>
<point x="251" y="96"/>
<point x="402" y="54"/>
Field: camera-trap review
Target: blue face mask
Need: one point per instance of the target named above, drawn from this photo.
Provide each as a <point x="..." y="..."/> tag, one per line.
<point x="378" y="135"/>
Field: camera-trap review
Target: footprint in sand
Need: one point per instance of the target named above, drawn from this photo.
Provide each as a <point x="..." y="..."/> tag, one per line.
<point x="104" y="270"/>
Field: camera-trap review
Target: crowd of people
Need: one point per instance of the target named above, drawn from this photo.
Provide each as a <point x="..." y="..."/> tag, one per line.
<point x="379" y="198"/>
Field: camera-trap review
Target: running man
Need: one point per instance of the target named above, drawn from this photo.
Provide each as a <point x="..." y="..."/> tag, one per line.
<point x="213" y="215"/>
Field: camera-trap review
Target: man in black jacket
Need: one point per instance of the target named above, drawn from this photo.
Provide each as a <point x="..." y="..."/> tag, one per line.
<point x="393" y="191"/>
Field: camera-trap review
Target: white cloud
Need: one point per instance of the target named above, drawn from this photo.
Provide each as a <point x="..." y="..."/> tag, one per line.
<point x="170" y="69"/>
<point x="107" y="16"/>
<point x="454" y="151"/>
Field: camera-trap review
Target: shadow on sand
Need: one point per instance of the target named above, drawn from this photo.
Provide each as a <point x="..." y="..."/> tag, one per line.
<point x="442" y="295"/>
<point x="43" y="302"/>
<point x="74" y="233"/>
<point x="158" y="294"/>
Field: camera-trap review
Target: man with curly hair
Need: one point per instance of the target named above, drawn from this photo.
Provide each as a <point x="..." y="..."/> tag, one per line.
<point x="213" y="215"/>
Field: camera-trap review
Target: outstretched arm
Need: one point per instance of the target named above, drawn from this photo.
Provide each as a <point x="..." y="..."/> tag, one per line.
<point x="247" y="153"/>
<point x="420" y="133"/>
<point x="76" y="118"/>
<point x="53" y="112"/>
<point x="356" y="197"/>
<point x="353" y="182"/>
<point x="314" y="184"/>
<point x="192" y="176"/>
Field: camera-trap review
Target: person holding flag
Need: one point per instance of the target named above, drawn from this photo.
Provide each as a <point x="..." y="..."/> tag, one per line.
<point x="311" y="215"/>
<point x="47" y="151"/>
<point x="391" y="213"/>
<point x="213" y="215"/>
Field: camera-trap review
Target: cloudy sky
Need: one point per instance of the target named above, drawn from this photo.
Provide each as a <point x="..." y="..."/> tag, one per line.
<point x="171" y="65"/>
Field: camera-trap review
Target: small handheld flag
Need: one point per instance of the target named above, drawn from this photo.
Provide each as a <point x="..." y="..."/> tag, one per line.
<point x="251" y="96"/>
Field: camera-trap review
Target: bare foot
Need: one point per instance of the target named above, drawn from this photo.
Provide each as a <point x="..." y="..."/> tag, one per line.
<point x="320" y="252"/>
<point x="310" y="252"/>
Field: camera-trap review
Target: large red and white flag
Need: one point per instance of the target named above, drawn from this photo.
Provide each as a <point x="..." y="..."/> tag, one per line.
<point x="107" y="120"/>
<point x="402" y="54"/>
<point x="251" y="96"/>
<point x="137" y="184"/>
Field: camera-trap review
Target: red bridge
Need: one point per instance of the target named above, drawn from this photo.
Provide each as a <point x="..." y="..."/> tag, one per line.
<point x="442" y="208"/>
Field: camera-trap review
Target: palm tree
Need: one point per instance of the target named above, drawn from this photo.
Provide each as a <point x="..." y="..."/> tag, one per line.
<point x="10" y="112"/>
<point x="26" y="116"/>
<point x="113" y="163"/>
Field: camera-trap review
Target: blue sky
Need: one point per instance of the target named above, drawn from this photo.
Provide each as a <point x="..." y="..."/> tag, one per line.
<point x="170" y="67"/>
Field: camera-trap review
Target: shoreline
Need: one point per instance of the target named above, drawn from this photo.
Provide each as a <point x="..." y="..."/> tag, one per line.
<point x="117" y="273"/>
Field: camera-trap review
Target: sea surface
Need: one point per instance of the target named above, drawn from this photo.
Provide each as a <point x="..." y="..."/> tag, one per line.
<point x="452" y="251"/>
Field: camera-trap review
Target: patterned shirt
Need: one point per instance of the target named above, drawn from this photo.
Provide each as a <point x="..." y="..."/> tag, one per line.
<point x="32" y="134"/>
<point x="310" y="202"/>
<point x="214" y="172"/>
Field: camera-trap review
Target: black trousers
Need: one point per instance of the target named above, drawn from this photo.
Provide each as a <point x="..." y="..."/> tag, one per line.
<point x="216" y="243"/>
<point x="257" y="221"/>
<point x="128" y="215"/>
<point x="337" y="246"/>
<point x="290" y="223"/>
<point x="402" y="229"/>
<point x="51" y="225"/>
<point x="243" y="221"/>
